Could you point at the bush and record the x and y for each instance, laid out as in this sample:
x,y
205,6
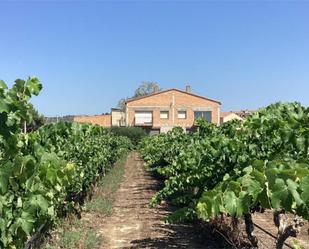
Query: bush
x,y
135,134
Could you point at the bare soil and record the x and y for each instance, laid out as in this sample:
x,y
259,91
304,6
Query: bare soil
x,y
266,231
133,224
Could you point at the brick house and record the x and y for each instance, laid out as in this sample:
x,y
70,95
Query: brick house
x,y
161,111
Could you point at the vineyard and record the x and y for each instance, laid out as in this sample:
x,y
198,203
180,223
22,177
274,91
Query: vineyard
x,y
237,169
218,175
46,173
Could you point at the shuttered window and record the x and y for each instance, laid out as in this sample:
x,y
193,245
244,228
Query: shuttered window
x,y
143,117
164,114
182,114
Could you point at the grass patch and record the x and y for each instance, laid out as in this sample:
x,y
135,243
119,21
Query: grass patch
x,y
83,233
111,182
75,235
93,240
102,200
100,205
70,239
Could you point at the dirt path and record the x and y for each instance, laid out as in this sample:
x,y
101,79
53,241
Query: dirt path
x,y
134,224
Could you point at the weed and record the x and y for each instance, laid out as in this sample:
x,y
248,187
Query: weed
x,y
74,233
92,240
70,239
100,205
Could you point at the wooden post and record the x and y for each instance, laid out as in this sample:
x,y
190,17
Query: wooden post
x,y
25,127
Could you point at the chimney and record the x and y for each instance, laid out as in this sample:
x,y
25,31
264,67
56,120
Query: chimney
x,y
188,89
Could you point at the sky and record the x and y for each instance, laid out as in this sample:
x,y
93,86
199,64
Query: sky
x,y
89,54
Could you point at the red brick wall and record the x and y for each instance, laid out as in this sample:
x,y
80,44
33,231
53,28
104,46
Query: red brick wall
x,y
103,120
172,101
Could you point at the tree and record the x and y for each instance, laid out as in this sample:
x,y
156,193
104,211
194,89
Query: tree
x,y
122,103
144,89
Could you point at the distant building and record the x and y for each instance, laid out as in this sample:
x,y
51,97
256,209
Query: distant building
x,y
227,116
118,117
163,110
160,111
244,113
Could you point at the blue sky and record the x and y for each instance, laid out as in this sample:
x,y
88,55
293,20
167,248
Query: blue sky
x,y
89,54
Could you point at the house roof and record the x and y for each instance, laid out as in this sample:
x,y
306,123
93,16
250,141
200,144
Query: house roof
x,y
172,89
116,109
224,114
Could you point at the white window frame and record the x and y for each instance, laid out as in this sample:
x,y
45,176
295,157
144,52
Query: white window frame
x,y
143,117
182,114
164,114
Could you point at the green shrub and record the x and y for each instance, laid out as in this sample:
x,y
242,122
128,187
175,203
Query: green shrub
x,y
135,134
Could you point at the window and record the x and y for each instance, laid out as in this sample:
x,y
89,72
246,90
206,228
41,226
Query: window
x,y
143,117
182,114
204,115
164,114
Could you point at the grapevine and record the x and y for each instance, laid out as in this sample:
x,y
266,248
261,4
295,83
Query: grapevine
x,y
236,168
44,173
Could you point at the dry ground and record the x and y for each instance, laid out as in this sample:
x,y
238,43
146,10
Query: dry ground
x,y
266,224
133,224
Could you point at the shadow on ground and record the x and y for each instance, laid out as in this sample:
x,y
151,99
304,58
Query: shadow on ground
x,y
177,236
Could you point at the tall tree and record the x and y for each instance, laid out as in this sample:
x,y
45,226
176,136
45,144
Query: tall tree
x,y
146,88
